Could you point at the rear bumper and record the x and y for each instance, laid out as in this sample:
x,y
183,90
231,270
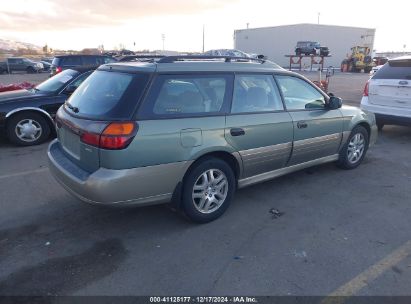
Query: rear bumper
x,y
137,186
393,120
389,112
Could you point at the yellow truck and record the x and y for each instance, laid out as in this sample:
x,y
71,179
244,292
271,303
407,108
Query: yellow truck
x,y
360,59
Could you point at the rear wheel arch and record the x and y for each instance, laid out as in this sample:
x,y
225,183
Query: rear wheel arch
x,y
229,158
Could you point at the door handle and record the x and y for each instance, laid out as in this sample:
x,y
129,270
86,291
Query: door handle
x,y
302,125
237,132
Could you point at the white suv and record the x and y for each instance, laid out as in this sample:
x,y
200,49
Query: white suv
x,y
388,93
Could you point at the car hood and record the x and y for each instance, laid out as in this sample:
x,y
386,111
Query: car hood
x,y
18,95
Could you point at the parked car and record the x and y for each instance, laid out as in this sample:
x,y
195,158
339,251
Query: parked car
x,y
46,66
324,51
232,53
311,48
63,62
380,60
388,93
193,131
375,69
47,59
27,116
227,52
20,64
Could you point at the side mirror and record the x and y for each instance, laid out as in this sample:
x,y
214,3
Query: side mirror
x,y
70,89
334,103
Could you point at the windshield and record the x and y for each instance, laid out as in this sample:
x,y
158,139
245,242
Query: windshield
x,y
107,95
57,82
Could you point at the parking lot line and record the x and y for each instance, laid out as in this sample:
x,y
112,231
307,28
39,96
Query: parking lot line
x,y
340,295
39,170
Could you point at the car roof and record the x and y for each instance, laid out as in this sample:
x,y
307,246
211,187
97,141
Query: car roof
x,y
194,66
83,69
79,55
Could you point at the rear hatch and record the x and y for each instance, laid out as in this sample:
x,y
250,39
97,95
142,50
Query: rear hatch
x,y
391,84
98,115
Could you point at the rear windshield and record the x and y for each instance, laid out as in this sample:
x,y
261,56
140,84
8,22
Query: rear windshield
x,y
107,95
394,70
57,82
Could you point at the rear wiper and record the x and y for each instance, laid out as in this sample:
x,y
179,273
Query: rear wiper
x,y
74,109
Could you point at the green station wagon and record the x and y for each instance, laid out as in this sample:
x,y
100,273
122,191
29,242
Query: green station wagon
x,y
191,130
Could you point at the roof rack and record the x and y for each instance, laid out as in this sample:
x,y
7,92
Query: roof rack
x,y
139,57
171,59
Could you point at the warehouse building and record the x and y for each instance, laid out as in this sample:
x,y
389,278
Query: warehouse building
x,y
278,41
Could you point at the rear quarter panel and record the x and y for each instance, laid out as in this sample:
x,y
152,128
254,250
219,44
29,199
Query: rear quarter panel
x,y
167,141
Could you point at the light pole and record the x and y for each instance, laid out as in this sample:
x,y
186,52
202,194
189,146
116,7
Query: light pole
x,y
318,18
203,36
163,37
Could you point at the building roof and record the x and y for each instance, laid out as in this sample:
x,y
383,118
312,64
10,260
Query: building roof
x,y
303,25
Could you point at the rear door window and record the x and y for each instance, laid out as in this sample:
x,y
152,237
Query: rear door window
x,y
107,95
184,95
394,70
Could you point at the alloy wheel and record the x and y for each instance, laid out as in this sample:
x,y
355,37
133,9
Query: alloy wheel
x,y
210,191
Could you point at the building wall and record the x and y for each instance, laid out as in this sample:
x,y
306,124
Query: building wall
x,y
276,42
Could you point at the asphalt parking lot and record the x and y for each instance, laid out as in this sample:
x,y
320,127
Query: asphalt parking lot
x,y
340,232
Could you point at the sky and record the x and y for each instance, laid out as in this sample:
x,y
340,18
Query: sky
x,y
78,24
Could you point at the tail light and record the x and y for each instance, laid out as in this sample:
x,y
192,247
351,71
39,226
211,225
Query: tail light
x,y
366,88
59,69
116,136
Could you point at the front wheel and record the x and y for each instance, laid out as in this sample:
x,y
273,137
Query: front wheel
x,y
354,150
208,190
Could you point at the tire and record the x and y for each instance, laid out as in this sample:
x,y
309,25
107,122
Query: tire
x,y
195,208
22,125
30,70
367,70
358,142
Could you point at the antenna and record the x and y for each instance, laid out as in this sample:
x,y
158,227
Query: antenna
x,y
163,37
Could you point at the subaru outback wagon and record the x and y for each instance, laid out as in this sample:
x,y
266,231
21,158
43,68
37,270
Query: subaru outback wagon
x,y
191,130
